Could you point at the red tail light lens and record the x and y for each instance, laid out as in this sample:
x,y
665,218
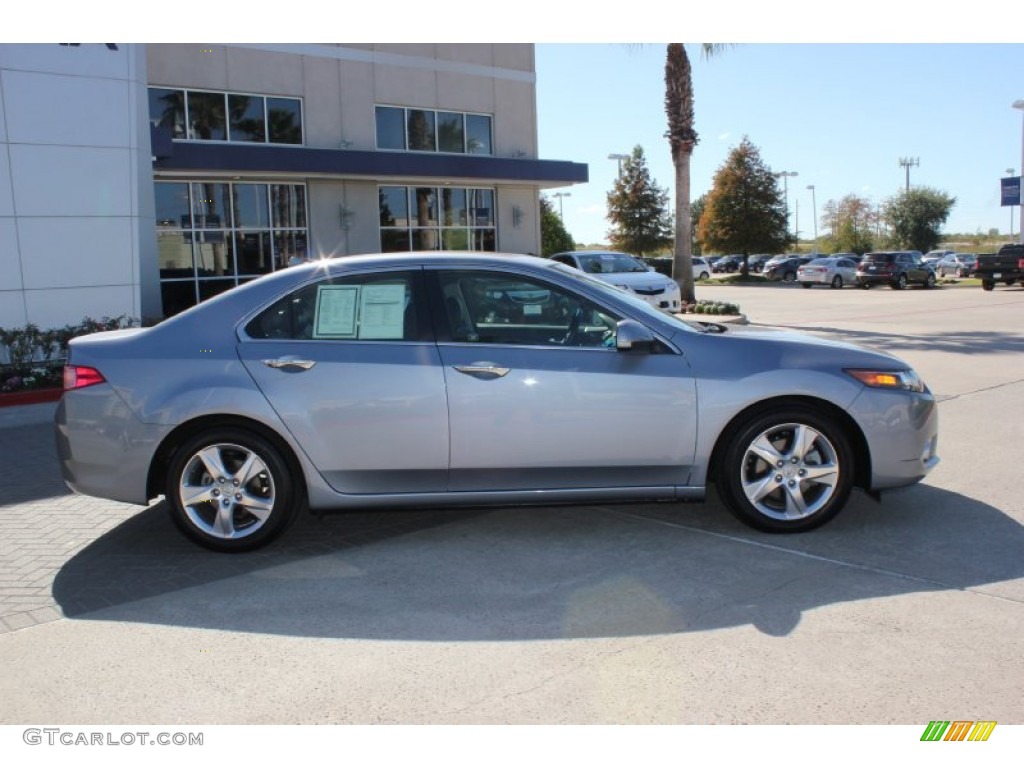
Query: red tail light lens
x,y
78,376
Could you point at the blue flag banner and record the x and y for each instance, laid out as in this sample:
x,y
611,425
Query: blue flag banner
x,y
1011,190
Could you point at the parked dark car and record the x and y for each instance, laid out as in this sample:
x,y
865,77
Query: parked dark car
x,y
786,269
897,269
727,264
756,262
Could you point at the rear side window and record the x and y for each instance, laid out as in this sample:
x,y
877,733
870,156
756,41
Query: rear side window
x,y
369,308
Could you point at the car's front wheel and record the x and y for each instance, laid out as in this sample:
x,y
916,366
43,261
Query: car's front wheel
x,y
929,281
900,282
230,490
789,277
837,281
704,276
786,471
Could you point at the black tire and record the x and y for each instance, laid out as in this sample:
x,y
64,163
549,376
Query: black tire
x,y
806,285
900,283
821,478
224,512
865,286
942,272
704,276
1011,281
837,282
789,277
929,281
987,285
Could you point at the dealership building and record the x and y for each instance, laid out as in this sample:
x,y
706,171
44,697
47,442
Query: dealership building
x,y
140,179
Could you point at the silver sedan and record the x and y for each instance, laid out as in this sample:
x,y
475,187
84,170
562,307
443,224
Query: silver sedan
x,y
833,271
445,379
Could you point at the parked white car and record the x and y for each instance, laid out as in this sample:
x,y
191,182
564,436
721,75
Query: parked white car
x,y
628,273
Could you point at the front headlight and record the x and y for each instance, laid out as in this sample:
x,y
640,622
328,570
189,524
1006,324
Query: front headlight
x,y
906,380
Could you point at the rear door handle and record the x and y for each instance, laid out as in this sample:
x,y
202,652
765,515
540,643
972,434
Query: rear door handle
x,y
483,370
290,362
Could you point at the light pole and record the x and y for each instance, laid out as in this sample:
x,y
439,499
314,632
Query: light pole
x,y
1019,104
785,175
560,195
814,213
619,158
907,162
1009,172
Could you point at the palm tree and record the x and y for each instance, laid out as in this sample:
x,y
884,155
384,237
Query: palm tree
x,y
682,138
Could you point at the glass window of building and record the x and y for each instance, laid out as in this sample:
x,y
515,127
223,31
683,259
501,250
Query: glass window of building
x,y
425,130
434,218
167,110
390,128
212,236
206,119
478,134
234,117
246,119
284,120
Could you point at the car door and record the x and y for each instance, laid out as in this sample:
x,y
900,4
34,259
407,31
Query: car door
x,y
540,398
350,365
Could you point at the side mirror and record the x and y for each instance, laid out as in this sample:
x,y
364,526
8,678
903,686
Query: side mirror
x,y
632,336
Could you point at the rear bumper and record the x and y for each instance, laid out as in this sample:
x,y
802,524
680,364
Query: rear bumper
x,y
103,449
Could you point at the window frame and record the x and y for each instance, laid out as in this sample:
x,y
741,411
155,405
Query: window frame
x,y
226,100
436,112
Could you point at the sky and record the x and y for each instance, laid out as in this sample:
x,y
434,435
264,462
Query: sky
x,y
840,115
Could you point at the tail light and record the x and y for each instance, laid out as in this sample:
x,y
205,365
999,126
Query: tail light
x,y
79,376
1020,263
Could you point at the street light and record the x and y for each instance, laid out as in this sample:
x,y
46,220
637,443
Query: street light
x,y
560,195
619,158
1019,104
1009,172
784,175
814,212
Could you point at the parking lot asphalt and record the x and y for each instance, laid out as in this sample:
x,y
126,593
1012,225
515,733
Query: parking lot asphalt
x,y
901,611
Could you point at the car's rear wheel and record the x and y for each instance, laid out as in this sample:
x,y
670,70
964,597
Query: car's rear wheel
x,y
837,281
704,276
786,471
230,490
806,285
789,277
929,281
987,285
901,282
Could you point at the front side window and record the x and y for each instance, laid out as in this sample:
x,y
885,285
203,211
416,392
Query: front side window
x,y
359,308
499,308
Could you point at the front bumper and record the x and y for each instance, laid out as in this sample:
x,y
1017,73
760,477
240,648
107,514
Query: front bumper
x,y
901,429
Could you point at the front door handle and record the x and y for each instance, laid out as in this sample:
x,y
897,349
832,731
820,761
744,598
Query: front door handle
x,y
483,370
290,362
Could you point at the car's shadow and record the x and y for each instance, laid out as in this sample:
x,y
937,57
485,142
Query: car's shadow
x,y
542,573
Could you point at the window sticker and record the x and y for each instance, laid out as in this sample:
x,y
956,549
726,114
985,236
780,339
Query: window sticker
x,y
336,312
382,312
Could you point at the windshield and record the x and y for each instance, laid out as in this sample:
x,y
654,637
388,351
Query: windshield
x,y
610,263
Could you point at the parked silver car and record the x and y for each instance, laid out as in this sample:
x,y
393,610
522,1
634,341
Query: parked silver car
x,y
446,379
833,271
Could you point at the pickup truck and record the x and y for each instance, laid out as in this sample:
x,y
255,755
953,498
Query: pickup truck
x,y
1006,266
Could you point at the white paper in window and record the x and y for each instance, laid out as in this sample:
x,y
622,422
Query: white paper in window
x,y
336,312
382,312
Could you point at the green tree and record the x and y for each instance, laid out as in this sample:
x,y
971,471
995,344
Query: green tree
x,y
696,212
916,217
638,209
852,223
682,138
745,211
553,236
